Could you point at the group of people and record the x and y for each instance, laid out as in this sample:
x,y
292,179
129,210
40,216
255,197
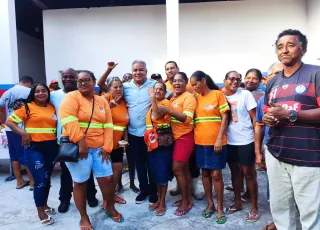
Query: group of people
x,y
202,127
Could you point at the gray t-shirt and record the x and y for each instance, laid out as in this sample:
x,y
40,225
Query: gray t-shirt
x,y
10,96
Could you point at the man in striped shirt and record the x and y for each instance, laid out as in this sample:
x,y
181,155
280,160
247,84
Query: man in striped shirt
x,y
291,107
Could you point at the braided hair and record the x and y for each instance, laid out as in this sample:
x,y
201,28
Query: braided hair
x,y
30,98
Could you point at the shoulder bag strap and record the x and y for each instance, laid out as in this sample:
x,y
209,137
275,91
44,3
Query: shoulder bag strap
x,y
90,117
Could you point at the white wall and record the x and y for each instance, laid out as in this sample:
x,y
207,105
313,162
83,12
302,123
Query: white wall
x,y
31,57
89,38
313,10
215,37
8,43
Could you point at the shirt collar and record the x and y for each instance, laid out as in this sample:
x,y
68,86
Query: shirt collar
x,y
147,82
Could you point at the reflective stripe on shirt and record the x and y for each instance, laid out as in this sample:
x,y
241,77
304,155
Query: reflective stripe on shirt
x,y
176,121
148,127
208,119
188,113
95,125
119,128
15,118
40,130
68,120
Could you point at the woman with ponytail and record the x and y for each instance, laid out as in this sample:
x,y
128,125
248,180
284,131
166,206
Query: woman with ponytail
x,y
211,120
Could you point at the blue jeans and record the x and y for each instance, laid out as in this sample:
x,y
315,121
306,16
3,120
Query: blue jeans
x,y
40,161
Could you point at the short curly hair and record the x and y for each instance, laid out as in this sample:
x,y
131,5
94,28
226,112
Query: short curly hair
x,y
301,37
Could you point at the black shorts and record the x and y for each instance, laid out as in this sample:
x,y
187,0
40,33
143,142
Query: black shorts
x,y
117,155
241,154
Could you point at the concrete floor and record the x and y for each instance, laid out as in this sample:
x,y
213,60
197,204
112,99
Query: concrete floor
x,y
17,210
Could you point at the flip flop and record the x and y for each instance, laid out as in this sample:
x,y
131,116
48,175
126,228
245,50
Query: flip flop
x,y
135,190
161,211
252,218
153,207
47,221
181,212
25,185
118,218
177,203
86,227
233,210
207,213
267,227
50,211
119,200
219,219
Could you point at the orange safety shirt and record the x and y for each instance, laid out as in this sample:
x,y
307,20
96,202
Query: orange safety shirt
x,y
75,112
120,118
208,117
41,123
163,122
185,103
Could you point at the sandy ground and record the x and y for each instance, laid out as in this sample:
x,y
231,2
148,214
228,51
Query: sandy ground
x,y
17,209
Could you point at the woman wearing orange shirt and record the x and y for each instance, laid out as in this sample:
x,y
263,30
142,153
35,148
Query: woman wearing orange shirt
x,y
159,159
211,120
94,146
183,106
120,120
39,139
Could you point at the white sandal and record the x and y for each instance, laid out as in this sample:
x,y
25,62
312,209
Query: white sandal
x,y
50,211
47,221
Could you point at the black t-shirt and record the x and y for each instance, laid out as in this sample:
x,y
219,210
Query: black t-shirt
x,y
295,143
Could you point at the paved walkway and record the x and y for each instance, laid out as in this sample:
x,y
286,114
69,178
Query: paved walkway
x,y
17,210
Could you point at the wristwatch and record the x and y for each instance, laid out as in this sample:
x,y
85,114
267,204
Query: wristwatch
x,y
293,116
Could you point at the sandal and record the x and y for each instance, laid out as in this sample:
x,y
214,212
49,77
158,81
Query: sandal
x,y
207,213
153,207
181,212
118,218
86,227
178,203
252,218
135,190
161,211
25,185
221,219
47,221
231,210
119,200
50,211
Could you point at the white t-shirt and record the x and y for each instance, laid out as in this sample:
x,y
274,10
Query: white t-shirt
x,y
240,130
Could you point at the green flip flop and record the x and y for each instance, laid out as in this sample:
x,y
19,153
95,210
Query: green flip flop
x,y
207,213
219,219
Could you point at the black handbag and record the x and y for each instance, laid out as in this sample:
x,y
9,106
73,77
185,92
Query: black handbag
x,y
69,151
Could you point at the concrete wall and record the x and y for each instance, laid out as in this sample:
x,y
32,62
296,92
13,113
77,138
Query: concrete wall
x,y
214,37
89,38
31,57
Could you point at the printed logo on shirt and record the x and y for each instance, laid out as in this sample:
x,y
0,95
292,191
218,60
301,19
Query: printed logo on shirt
x,y
126,116
285,86
208,107
291,105
234,109
300,89
175,105
101,109
54,117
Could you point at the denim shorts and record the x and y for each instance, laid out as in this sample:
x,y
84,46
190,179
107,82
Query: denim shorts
x,y
160,163
16,150
80,171
207,158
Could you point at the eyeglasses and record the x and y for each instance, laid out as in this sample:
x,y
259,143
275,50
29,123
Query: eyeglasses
x,y
232,79
83,81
